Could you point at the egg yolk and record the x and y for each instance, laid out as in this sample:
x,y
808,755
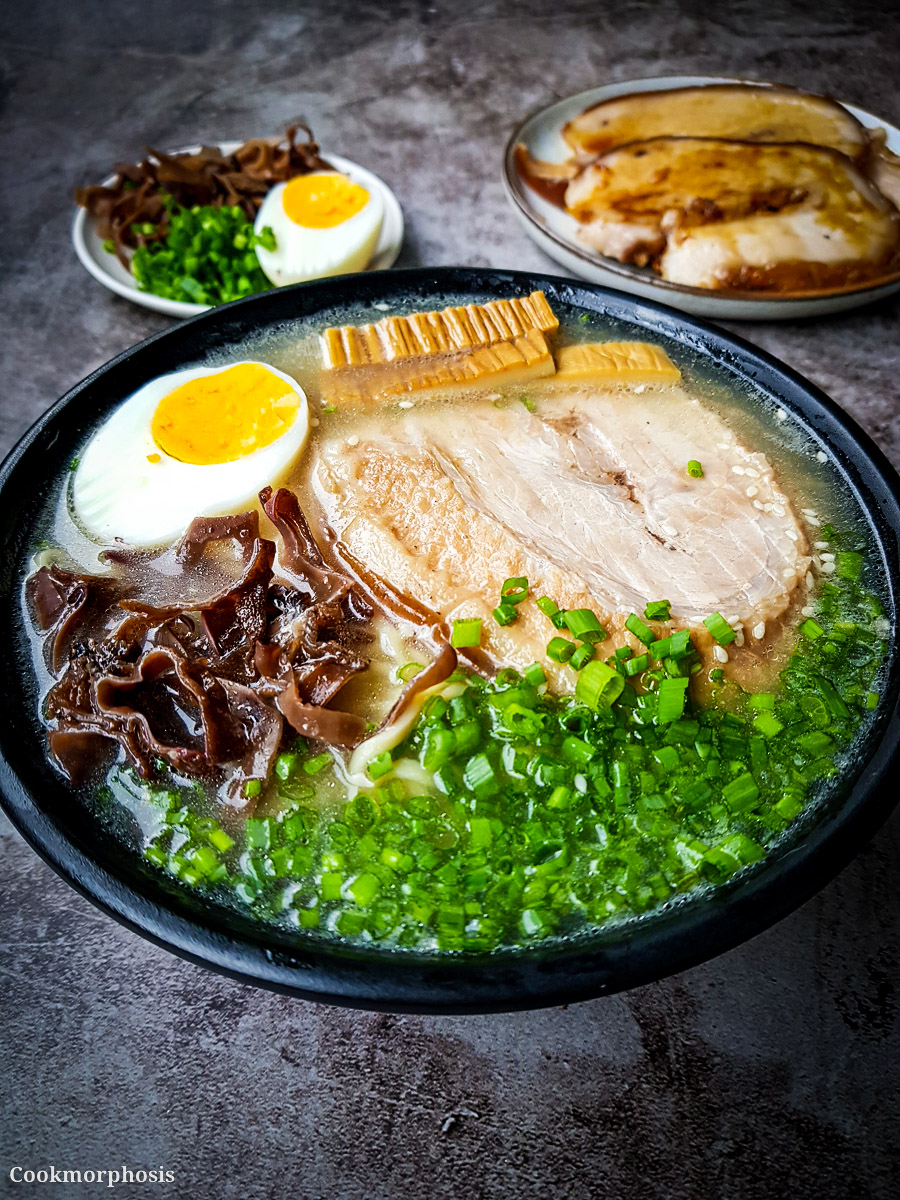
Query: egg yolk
x,y
223,417
322,201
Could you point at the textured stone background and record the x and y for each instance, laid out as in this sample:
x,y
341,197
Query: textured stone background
x,y
771,1072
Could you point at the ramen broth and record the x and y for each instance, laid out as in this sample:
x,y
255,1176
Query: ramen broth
x,y
423,856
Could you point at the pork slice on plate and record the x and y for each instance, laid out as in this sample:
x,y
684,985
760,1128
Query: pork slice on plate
x,y
737,111
719,214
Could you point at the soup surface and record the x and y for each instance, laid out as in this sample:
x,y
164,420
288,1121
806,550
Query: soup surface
x,y
491,664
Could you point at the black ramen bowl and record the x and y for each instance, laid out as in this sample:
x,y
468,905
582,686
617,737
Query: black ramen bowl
x,y
64,832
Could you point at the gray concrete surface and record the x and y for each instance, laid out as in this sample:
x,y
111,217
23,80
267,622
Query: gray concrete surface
x,y
771,1072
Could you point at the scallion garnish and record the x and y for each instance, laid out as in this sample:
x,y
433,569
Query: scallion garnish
x,y
505,614
658,610
720,629
535,675
408,671
560,649
634,666
584,625
599,686
670,700
812,629
694,469
466,632
514,590
642,632
581,657
380,765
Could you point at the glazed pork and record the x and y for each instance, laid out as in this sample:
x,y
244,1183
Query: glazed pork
x,y
738,111
719,214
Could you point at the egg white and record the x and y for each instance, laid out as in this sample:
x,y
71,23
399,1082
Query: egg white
x,y
305,253
117,493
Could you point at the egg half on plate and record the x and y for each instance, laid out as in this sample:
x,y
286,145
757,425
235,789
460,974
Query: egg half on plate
x,y
324,224
198,442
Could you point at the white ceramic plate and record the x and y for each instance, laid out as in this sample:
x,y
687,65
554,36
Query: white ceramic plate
x,y
556,232
107,269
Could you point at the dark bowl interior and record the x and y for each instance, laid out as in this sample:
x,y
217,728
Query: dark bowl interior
x,y
60,827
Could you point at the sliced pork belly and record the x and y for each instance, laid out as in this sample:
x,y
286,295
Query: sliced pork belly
x,y
588,496
718,214
738,111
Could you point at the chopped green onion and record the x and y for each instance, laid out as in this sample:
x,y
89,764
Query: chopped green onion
x,y
658,610
849,565
547,606
535,674
871,701
505,614
717,675
767,724
676,645
583,625
252,788
408,671
599,686
720,629
313,766
811,629
742,793
363,889
762,701
285,766
581,657
380,765
560,649
514,590
642,632
478,774
670,700
634,666
466,632
329,408
528,402
694,469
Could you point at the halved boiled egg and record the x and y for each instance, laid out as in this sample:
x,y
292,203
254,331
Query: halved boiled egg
x,y
324,224
198,442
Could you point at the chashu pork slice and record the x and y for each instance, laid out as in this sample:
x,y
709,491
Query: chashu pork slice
x,y
737,111
588,497
720,214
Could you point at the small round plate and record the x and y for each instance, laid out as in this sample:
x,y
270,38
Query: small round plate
x,y
107,269
557,233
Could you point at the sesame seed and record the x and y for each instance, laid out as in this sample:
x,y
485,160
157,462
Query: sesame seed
x,y
758,504
820,545
778,510
813,521
759,631
720,654
752,472
781,415
822,456
827,556
404,403
641,387
828,568
789,573
809,581
752,490
792,534
738,470
807,610
739,637
353,440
